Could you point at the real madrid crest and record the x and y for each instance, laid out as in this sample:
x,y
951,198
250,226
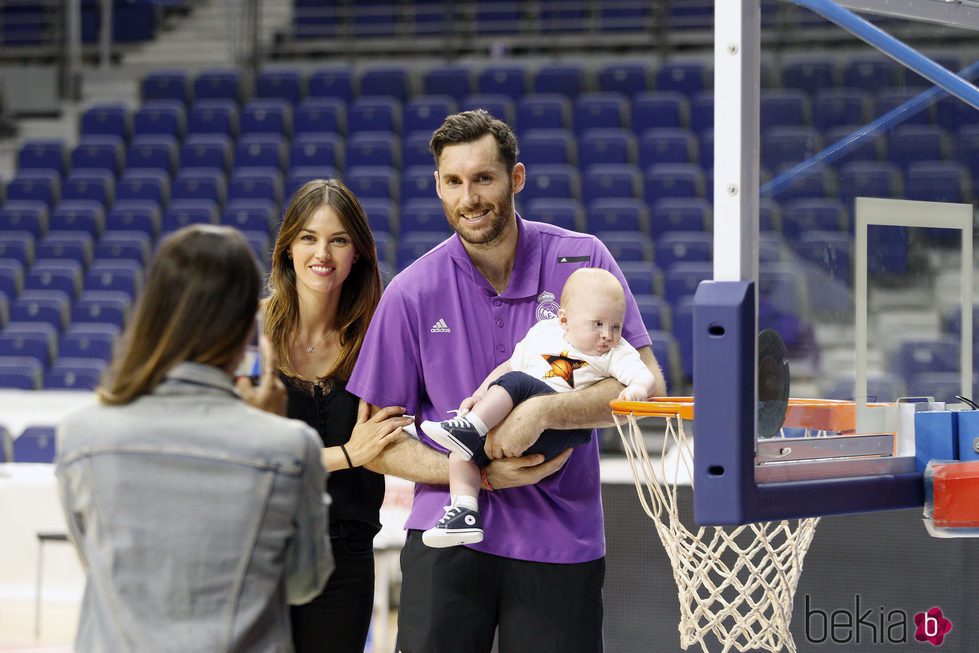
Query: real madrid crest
x,y
546,306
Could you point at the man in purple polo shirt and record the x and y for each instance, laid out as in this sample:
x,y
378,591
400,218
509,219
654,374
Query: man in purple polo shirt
x,y
442,325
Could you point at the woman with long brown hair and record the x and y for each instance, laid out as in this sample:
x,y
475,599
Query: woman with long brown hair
x,y
323,289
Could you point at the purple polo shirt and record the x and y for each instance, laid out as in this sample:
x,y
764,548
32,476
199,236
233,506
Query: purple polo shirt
x,y
440,329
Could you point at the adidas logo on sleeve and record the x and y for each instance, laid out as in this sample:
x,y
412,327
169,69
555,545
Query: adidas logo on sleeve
x,y
441,327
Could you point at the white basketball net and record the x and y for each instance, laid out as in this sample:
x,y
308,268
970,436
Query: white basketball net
x,y
736,584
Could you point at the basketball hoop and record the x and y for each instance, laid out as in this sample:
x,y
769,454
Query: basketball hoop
x,y
736,584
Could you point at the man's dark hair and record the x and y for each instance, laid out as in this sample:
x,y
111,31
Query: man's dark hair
x,y
470,126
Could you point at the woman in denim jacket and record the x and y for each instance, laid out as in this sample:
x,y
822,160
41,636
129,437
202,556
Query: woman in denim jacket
x,y
197,517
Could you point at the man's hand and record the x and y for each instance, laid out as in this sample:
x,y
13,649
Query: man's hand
x,y
525,470
517,432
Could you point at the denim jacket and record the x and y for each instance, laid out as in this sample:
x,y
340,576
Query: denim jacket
x,y
197,519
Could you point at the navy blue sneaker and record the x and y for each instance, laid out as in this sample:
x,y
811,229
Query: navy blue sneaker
x,y
457,526
457,435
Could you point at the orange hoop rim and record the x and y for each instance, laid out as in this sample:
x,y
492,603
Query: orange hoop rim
x,y
683,406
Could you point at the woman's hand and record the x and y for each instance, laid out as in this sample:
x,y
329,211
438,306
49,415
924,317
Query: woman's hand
x,y
270,394
372,434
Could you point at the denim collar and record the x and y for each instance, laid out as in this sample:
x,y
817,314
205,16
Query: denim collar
x,y
187,378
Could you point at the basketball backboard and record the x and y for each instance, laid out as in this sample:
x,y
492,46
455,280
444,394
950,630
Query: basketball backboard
x,y
852,238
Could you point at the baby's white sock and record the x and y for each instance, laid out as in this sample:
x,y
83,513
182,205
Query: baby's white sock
x,y
464,501
479,424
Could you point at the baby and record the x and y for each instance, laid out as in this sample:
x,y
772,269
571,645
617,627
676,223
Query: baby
x,y
578,348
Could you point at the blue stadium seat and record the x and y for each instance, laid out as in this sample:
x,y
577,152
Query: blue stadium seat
x,y
146,185
266,116
98,153
366,21
560,211
281,84
870,179
548,146
302,174
382,215
616,214
423,214
384,243
606,146
952,113
687,77
451,80
682,279
870,73
114,274
320,115
498,106
667,353
334,83
643,277
411,246
781,146
86,216
509,81
628,78
838,107
543,111
888,99
939,181
867,150
914,356
769,215
414,149
391,81
250,215
21,373
565,79
417,183
425,113
941,386
830,251
818,181
260,150
655,312
43,154
50,306
784,107
106,120
660,109
101,306
28,216
17,246
42,186
213,116
373,149
161,117
631,247
812,74
124,245
372,181
29,340
200,183
666,145
90,184
152,152
63,275
136,215
74,374
374,114
36,444
908,144
782,293
813,214
255,183
615,181
497,18
552,181
674,180
881,386
206,151
186,212
683,246
11,278
166,85
702,112
563,16
316,149
218,84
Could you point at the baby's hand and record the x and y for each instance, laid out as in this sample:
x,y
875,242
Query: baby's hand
x,y
633,393
467,405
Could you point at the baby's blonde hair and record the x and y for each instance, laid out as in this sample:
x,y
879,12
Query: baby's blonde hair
x,y
593,280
